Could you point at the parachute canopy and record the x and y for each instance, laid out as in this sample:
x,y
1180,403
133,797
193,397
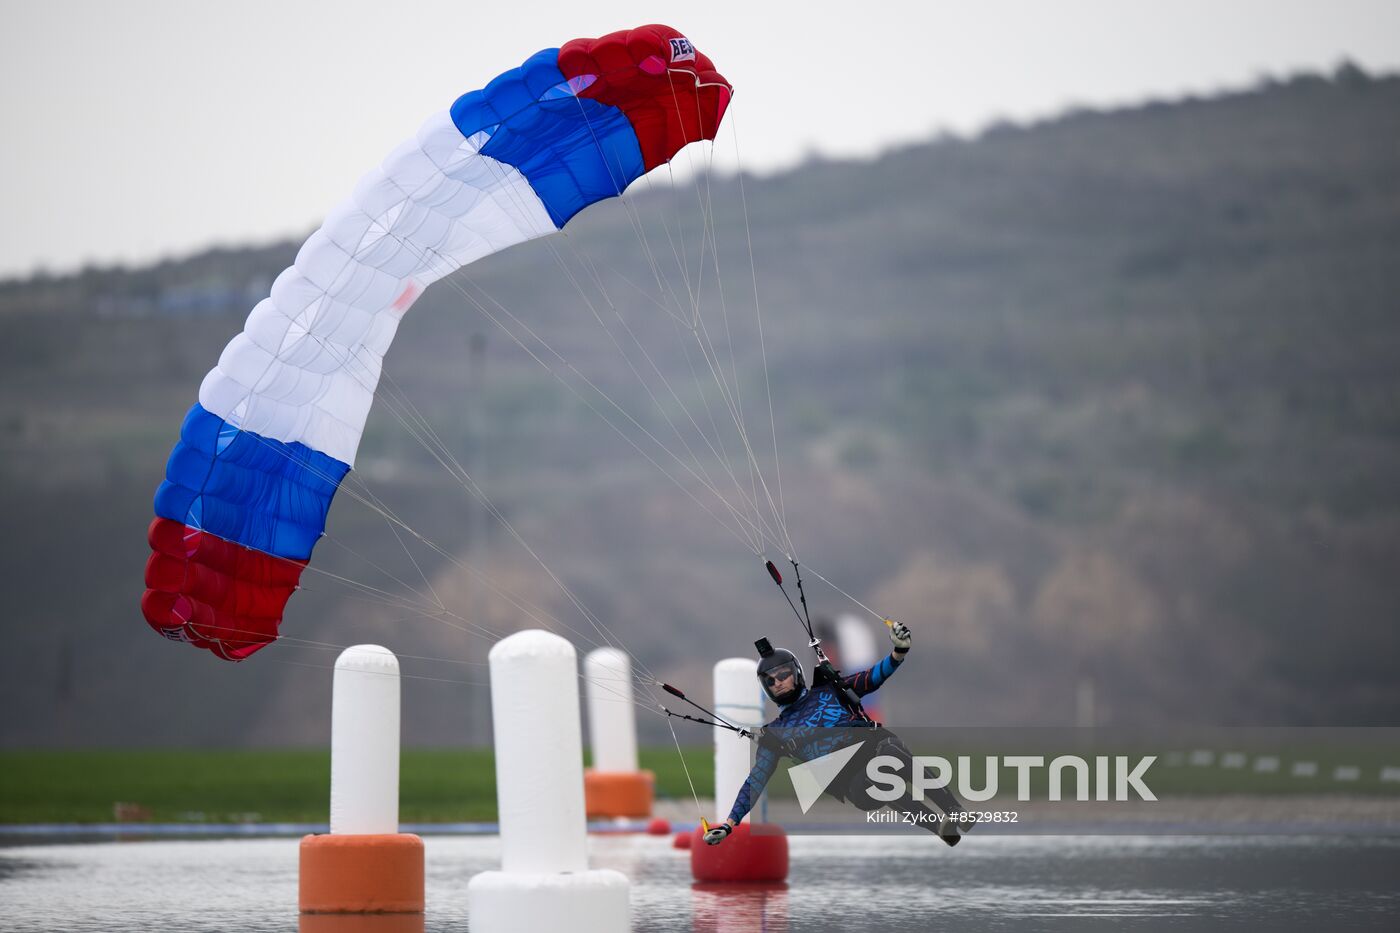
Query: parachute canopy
x,y
279,418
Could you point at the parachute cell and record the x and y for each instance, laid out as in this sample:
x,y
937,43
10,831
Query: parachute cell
x,y
249,484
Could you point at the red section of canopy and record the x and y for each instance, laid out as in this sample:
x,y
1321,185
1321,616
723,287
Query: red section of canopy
x,y
213,593
671,93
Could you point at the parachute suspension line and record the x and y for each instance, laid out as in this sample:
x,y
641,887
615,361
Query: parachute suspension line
x,y
464,478
690,328
482,308
326,646
758,317
586,261
643,679
705,239
675,429
290,641
708,353
778,579
709,239
634,218
873,614
496,169
421,430
735,403
701,335
682,254
367,373
663,283
411,420
677,253
371,502
598,625
441,614
574,391
366,593
416,566
534,613
700,811
724,310
331,667
710,414
711,359
664,286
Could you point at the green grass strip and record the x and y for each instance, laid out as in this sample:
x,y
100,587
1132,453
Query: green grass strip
x,y
283,785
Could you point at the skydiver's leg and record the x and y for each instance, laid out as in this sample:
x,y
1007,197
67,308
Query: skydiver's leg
x,y
929,818
942,797
855,791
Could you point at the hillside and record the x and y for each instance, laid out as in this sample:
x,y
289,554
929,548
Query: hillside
x,y
1112,397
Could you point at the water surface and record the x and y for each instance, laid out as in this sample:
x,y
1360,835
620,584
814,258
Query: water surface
x,y
892,885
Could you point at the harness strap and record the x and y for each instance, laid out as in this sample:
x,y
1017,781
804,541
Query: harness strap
x,y
826,674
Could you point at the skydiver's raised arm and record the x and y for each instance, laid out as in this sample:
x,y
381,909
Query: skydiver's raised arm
x,y
870,680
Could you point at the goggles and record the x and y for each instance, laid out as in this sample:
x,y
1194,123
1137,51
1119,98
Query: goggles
x,y
771,678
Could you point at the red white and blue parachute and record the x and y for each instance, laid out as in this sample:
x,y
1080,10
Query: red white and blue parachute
x,y
250,481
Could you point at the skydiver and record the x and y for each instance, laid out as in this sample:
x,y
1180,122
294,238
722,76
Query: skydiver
x,y
816,721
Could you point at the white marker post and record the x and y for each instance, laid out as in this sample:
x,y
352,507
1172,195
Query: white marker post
x,y
857,650
365,741
365,865
544,882
614,786
738,699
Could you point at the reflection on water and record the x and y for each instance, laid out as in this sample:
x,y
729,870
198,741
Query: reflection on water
x,y
738,908
837,883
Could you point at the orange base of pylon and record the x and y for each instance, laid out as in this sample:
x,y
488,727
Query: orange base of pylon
x,y
608,794
369,874
743,856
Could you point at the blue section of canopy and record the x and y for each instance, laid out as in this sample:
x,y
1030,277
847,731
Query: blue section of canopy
x,y
243,487
572,150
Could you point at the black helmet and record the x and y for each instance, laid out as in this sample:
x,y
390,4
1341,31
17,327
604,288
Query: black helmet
x,y
777,665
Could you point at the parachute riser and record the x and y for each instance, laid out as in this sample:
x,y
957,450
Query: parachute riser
x,y
743,733
825,672
714,720
805,621
804,616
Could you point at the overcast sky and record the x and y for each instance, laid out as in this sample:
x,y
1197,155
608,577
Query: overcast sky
x,y
147,128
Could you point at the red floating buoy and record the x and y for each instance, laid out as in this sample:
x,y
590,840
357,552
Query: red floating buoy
x,y
746,855
659,827
682,841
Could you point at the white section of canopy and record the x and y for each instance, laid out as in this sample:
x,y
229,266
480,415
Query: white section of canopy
x,y
306,365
